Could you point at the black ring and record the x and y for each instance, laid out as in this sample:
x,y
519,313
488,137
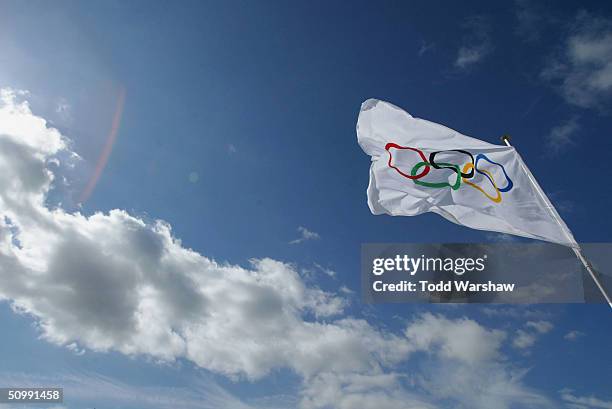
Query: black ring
x,y
433,163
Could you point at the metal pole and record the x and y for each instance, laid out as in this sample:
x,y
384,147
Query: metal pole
x,y
576,248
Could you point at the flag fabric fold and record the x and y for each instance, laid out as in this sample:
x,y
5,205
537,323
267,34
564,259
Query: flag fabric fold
x,y
419,166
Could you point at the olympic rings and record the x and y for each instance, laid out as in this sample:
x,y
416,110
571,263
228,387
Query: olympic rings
x,y
468,172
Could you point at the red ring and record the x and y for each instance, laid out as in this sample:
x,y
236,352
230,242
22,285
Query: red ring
x,y
421,154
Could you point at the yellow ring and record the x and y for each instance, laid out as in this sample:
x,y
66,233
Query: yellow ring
x,y
467,168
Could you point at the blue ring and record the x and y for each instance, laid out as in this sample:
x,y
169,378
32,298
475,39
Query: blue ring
x,y
508,186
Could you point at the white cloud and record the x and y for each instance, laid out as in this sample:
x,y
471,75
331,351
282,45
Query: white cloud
x,y
345,290
527,337
464,368
469,55
115,282
573,335
64,110
476,44
425,47
467,366
533,18
494,385
18,125
305,234
524,339
583,70
583,402
327,271
463,339
562,136
542,327
352,391
527,20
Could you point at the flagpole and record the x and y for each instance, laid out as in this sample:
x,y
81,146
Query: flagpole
x,y
576,248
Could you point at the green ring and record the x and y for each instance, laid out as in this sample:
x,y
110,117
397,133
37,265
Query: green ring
x,y
437,185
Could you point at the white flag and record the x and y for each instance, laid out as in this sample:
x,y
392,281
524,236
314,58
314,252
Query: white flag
x,y
420,166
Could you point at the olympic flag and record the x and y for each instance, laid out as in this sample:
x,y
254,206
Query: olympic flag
x,y
420,166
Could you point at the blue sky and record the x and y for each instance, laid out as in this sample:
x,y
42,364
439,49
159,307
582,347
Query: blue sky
x,y
238,128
